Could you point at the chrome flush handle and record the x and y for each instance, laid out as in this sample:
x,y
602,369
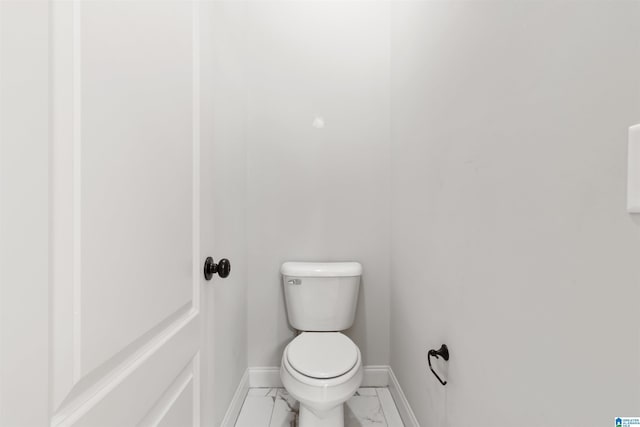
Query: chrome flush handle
x,y
294,282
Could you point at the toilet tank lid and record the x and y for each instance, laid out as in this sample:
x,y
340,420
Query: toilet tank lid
x,y
321,269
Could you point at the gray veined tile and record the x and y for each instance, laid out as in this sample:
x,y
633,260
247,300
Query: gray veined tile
x,y
284,394
256,410
364,411
389,408
262,392
285,411
274,407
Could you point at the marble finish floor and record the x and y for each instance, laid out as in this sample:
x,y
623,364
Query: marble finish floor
x,y
273,407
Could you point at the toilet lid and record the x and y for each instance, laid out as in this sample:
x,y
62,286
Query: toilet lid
x,y
322,355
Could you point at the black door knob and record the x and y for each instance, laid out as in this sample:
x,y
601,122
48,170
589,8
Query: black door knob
x,y
223,268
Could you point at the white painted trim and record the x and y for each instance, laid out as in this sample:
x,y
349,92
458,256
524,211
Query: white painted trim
x,y
269,376
233,411
72,411
633,170
406,413
195,156
64,167
182,382
77,193
195,197
376,376
264,376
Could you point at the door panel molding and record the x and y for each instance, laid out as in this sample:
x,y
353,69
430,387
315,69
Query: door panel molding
x,y
195,144
64,293
79,390
178,335
77,190
183,383
128,357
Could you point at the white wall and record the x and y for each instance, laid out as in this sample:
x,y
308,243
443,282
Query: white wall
x,y
510,238
225,164
317,194
24,211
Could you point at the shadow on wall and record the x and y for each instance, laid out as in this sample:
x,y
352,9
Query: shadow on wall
x,y
359,328
282,307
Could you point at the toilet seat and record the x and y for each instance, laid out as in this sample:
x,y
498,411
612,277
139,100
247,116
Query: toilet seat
x,y
322,355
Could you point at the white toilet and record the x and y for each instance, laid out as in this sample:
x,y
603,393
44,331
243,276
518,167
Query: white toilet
x,y
321,367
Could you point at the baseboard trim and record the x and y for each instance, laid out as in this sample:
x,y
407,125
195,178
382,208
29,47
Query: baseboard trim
x,y
376,376
269,376
264,376
233,411
406,413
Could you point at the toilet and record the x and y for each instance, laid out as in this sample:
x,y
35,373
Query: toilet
x,y
321,367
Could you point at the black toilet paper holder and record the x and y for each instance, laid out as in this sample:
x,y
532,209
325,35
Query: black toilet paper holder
x,y
443,352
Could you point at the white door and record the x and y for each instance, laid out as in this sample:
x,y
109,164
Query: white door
x,y
124,342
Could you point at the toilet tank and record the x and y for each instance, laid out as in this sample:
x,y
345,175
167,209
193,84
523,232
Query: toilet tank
x,y
321,296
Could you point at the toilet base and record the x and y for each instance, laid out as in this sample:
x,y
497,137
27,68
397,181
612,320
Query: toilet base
x,y
332,418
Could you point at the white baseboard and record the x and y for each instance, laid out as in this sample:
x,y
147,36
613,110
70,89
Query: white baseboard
x,y
233,411
265,376
376,376
269,376
408,417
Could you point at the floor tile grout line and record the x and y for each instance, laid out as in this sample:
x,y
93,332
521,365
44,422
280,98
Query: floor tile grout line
x,y
243,406
273,408
384,415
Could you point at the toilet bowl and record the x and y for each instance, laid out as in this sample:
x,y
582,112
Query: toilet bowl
x,y
321,370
